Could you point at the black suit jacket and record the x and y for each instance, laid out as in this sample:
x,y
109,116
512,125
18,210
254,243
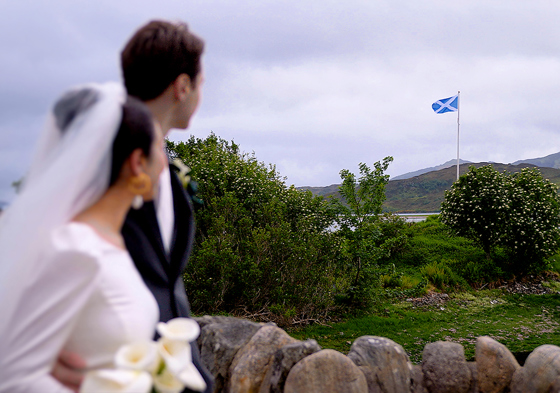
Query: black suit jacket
x,y
161,272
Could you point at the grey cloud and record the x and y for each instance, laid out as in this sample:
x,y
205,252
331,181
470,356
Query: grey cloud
x,y
312,86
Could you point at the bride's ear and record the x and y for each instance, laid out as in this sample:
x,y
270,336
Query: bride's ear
x,y
137,161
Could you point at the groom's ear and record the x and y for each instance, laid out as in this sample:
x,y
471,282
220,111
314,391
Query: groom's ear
x,y
182,87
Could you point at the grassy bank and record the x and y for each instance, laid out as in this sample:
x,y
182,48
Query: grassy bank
x,y
521,322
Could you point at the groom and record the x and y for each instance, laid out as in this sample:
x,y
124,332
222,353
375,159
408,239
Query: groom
x,y
162,66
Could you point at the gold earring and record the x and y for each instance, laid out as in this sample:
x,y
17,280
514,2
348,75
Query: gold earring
x,y
139,184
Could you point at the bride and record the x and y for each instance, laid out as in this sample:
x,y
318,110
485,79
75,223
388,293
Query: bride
x,y
66,279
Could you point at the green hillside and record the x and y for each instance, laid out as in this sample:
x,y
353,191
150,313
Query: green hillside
x,y
424,193
552,161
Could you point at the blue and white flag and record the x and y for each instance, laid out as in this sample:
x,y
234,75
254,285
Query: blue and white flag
x,y
446,104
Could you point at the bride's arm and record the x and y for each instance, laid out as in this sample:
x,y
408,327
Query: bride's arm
x,y
55,294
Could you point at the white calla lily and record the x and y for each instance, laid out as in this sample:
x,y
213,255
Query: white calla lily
x,y
166,382
183,329
116,381
169,361
141,355
192,379
176,354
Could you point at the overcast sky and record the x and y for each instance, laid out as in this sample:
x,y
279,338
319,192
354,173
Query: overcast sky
x,y
311,86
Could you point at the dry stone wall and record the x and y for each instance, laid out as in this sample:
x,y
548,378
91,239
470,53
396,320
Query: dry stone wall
x,y
248,357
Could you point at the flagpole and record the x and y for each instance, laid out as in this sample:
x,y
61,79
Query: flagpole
x,y
458,106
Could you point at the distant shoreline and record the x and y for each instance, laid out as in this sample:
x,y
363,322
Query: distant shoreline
x,y
415,217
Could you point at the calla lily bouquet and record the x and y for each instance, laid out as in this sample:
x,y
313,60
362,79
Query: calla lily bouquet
x,y
164,366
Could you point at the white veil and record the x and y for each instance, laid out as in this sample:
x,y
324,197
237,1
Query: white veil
x,y
70,171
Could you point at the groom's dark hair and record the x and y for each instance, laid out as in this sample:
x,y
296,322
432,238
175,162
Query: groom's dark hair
x,y
156,55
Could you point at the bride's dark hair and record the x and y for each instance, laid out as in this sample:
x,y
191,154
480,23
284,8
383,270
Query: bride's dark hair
x,y
136,131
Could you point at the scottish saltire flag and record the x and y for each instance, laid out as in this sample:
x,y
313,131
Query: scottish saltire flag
x,y
446,104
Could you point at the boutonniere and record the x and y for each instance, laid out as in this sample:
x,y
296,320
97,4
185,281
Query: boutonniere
x,y
188,184
182,172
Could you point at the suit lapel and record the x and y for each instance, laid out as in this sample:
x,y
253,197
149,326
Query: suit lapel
x,y
146,219
153,229
146,244
183,232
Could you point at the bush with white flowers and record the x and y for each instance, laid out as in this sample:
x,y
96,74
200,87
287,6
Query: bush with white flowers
x,y
519,212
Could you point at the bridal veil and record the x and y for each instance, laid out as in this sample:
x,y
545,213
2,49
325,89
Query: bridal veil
x,y
70,170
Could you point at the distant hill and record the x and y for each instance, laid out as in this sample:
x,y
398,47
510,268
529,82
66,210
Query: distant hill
x,y
550,161
321,191
424,193
419,172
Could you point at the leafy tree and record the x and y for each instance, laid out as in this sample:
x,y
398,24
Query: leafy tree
x,y
259,243
358,218
520,212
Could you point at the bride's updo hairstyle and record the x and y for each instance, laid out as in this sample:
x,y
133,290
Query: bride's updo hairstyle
x,y
136,131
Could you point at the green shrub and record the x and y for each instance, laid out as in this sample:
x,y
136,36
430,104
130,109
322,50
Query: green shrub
x,y
417,290
258,242
394,283
389,281
390,278
440,275
393,234
407,282
435,274
554,263
430,241
482,270
360,294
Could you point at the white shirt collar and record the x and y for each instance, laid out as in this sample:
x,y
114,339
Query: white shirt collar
x,y
164,208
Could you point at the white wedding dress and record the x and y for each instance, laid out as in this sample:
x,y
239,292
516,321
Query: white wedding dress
x,y
87,297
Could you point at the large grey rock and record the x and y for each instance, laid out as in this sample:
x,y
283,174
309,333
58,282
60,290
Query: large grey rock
x,y
445,368
219,342
284,359
474,378
417,384
383,362
555,386
208,319
326,371
251,362
495,365
539,372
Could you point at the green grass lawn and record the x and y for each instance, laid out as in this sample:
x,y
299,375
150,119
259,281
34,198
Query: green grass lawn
x,y
521,322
